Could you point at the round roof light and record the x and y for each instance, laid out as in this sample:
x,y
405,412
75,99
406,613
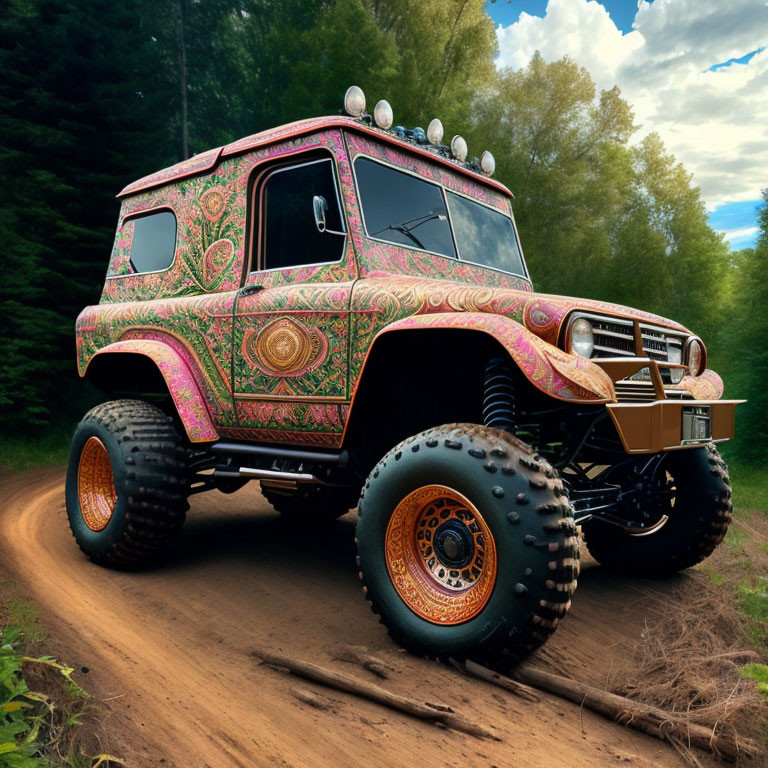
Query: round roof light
x,y
354,101
487,163
382,114
459,148
435,132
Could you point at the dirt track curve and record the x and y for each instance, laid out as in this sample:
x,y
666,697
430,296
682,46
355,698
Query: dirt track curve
x,y
168,649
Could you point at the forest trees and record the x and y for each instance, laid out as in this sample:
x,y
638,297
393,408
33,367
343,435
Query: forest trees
x,y
96,94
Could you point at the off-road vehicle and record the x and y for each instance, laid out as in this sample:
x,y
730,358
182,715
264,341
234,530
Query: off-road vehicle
x,y
341,310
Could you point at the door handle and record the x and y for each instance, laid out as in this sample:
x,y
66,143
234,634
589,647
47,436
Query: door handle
x,y
249,290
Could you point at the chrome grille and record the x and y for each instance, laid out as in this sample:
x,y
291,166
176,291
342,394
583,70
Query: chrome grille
x,y
655,341
613,337
628,391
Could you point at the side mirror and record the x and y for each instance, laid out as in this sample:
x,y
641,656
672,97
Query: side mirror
x,y
319,208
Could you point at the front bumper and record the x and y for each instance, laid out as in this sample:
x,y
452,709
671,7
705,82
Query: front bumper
x,y
659,425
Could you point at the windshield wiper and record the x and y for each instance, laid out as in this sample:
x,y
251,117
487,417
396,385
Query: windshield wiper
x,y
406,230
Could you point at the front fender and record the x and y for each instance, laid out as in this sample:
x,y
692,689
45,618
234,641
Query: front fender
x,y
554,372
181,384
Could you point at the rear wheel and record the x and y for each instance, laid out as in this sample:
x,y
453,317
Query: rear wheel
x,y
466,544
127,483
684,507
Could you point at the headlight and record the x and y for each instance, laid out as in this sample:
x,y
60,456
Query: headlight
x,y
695,355
675,355
582,338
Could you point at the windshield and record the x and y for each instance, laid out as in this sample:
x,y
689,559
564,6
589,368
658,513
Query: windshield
x,y
405,209
484,235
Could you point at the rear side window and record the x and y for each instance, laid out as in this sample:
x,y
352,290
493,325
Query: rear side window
x,y
403,209
154,242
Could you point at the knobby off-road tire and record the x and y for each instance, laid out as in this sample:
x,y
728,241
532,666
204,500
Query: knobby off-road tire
x,y
696,523
518,534
127,483
312,503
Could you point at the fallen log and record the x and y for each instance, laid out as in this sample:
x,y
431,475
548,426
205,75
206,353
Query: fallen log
x,y
483,673
356,654
657,722
436,714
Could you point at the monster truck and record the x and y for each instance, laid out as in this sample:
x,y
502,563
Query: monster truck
x,y
340,309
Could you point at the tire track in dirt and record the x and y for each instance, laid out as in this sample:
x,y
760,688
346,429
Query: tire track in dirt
x,y
167,648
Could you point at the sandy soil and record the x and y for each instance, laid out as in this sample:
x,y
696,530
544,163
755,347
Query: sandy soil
x,y
167,649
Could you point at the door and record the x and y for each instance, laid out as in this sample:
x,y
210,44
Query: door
x,y
291,322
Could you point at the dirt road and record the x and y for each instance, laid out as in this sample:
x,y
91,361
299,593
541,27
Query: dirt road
x,y
168,649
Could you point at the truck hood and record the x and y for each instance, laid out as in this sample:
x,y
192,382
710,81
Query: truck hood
x,y
541,313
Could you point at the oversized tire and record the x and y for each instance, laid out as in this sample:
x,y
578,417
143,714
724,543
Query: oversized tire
x,y
127,483
466,545
311,503
695,520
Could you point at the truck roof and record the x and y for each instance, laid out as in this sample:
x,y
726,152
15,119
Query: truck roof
x,y
207,161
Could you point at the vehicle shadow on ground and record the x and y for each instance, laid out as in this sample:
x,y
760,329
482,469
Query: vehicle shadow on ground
x,y
263,537
266,537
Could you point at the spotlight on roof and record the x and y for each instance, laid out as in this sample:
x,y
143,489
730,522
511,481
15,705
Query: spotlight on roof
x,y
487,163
354,101
382,114
459,148
435,132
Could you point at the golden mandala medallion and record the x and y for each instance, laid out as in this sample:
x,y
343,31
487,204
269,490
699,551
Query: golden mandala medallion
x,y
284,347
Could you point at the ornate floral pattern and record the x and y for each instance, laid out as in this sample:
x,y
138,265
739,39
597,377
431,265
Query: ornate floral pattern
x,y
707,386
181,383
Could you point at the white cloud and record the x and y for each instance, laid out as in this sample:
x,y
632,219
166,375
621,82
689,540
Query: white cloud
x,y
733,234
715,122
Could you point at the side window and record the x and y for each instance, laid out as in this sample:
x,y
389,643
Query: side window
x,y
402,208
154,242
290,236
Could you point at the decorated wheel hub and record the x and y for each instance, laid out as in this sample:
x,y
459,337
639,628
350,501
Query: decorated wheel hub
x,y
95,485
441,555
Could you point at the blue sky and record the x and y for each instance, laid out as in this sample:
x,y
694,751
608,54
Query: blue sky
x,y
695,71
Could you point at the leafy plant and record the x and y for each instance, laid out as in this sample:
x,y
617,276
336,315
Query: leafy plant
x,y
34,728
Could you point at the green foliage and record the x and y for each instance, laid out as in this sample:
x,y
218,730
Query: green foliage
x,y
37,451
35,729
598,217
745,332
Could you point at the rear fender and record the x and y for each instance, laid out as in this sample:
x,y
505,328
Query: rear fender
x,y
189,402
554,372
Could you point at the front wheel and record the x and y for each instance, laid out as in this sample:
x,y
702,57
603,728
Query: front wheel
x,y
466,544
688,501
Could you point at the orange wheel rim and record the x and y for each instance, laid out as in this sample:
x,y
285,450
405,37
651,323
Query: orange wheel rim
x,y
96,485
441,555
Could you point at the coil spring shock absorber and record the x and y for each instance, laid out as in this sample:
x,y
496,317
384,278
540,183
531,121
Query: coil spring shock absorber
x,y
499,395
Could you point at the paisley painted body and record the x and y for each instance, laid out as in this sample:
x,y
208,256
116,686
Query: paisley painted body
x,y
282,363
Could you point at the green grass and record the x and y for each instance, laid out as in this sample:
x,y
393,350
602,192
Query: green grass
x,y
750,486
50,450
758,673
753,602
